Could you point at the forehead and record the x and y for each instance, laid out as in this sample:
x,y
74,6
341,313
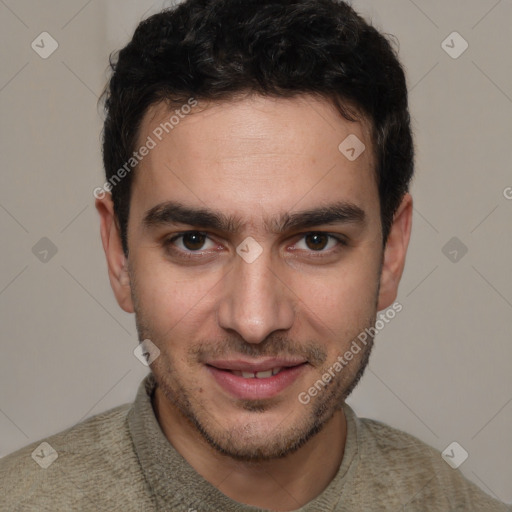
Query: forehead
x,y
254,154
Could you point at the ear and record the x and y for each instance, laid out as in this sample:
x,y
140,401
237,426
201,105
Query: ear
x,y
116,260
394,253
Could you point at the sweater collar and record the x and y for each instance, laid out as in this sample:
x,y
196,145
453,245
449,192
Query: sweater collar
x,y
176,486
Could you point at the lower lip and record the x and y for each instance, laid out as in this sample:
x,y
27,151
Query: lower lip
x,y
254,389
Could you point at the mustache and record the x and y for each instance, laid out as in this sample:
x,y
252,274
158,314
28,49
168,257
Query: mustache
x,y
274,346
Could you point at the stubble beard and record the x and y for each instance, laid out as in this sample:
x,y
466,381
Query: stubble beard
x,y
239,443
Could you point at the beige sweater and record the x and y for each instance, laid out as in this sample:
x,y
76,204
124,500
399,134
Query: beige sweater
x,y
121,461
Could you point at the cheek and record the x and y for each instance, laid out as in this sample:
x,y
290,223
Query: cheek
x,y
169,298
343,297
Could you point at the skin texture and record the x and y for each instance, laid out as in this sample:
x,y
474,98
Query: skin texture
x,y
304,297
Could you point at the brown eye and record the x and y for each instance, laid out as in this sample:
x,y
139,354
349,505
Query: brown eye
x,y
190,245
316,241
193,241
321,243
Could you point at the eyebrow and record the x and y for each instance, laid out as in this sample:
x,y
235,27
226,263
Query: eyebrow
x,y
171,212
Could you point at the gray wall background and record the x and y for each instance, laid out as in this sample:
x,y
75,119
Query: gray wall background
x,y
441,369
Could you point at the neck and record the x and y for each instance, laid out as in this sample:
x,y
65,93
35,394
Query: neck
x,y
282,484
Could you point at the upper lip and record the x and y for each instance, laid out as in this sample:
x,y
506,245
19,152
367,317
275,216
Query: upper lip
x,y
255,366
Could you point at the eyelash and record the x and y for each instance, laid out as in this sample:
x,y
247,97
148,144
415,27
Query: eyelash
x,y
169,244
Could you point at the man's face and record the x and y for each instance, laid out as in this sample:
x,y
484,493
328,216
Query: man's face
x,y
219,316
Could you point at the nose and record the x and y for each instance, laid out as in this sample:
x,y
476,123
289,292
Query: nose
x,y
255,300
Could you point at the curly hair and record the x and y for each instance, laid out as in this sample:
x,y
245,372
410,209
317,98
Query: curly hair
x,y
218,49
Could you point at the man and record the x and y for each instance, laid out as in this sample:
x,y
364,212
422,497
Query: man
x,y
255,218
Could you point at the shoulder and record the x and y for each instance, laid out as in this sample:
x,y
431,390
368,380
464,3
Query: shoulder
x,y
77,465
407,469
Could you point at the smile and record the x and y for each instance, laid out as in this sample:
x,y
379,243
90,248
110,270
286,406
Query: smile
x,y
250,380
257,375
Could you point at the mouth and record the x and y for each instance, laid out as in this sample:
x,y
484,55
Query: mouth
x,y
265,374
256,380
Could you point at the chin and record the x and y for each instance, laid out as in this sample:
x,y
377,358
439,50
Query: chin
x,y
255,437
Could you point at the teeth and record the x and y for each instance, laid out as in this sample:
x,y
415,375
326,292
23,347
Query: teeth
x,y
260,375
264,375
